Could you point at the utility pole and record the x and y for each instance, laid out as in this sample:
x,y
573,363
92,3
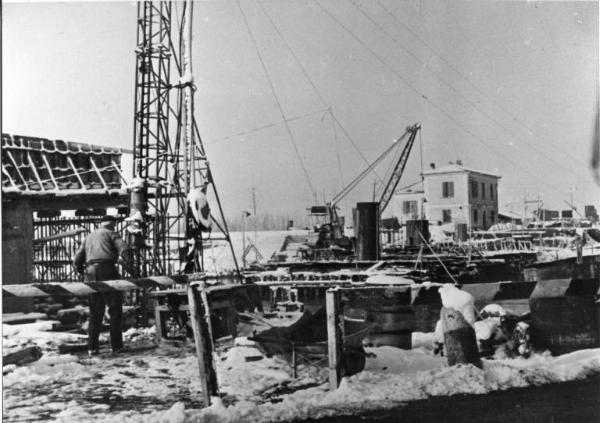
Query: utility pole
x,y
243,240
524,208
254,212
374,189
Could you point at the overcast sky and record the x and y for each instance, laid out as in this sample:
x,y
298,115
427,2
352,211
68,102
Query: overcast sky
x,y
507,87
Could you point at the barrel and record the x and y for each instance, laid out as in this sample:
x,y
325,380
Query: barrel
x,y
426,306
366,224
389,312
461,234
391,328
417,232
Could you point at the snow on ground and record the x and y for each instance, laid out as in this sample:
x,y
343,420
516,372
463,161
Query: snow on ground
x,y
161,384
268,242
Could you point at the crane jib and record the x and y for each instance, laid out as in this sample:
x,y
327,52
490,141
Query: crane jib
x,y
412,130
392,183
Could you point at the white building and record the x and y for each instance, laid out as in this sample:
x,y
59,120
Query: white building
x,y
453,194
409,205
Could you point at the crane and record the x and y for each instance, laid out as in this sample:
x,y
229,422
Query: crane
x,y
335,225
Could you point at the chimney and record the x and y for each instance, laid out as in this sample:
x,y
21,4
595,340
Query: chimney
x,y
432,165
459,162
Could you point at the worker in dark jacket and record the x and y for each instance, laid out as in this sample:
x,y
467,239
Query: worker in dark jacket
x,y
97,259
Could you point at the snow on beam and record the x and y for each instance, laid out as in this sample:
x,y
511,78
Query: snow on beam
x,y
81,289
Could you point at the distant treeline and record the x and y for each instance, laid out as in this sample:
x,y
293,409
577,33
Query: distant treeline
x,y
266,222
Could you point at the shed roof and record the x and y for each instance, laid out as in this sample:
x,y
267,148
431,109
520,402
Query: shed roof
x,y
35,166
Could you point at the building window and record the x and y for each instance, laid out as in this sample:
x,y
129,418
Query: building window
x,y
475,217
409,208
447,216
474,187
484,222
482,190
492,191
447,189
492,221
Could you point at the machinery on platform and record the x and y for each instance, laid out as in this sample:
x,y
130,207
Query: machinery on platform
x,y
331,235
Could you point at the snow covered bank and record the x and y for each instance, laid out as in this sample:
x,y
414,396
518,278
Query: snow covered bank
x,y
392,377
162,385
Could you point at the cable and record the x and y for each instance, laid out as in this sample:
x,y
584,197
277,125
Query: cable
x,y
312,84
316,90
287,126
421,153
479,90
450,86
424,97
270,125
337,151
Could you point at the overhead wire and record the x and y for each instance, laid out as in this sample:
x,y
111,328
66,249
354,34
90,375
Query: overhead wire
x,y
270,125
434,105
468,80
287,126
316,89
475,107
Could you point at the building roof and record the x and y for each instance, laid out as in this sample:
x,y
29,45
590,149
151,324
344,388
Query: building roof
x,y
457,168
35,166
410,192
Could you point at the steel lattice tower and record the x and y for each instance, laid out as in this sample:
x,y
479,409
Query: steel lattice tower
x,y
169,158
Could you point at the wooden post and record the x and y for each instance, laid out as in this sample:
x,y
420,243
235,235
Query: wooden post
x,y
157,321
208,377
145,306
294,363
23,356
206,307
334,337
459,338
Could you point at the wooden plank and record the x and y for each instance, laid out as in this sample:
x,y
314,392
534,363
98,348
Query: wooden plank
x,y
203,346
20,318
334,337
377,297
72,348
23,356
82,289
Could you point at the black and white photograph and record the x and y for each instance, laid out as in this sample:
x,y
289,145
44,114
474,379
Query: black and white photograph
x,y
332,211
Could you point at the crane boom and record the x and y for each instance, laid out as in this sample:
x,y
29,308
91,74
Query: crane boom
x,y
365,172
392,183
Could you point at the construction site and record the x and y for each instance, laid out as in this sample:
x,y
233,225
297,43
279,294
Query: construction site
x,y
427,277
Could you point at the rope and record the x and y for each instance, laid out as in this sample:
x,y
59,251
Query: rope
x,y
314,86
438,258
287,126
337,151
271,125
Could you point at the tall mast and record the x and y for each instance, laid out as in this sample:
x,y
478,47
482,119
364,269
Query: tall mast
x,y
170,163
